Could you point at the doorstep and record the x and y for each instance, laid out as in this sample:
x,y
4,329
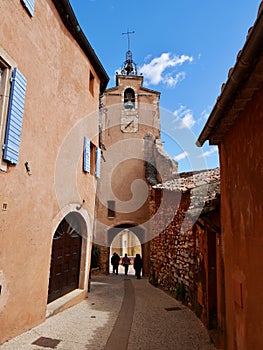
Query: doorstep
x,y
65,302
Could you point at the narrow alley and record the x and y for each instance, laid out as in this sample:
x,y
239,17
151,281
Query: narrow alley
x,y
120,313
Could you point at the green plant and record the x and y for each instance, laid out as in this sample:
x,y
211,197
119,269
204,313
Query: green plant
x,y
154,280
95,256
180,292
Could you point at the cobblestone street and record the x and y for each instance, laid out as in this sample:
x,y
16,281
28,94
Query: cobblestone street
x,y
120,313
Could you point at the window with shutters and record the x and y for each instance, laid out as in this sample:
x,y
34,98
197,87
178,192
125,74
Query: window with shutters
x,y
12,98
89,157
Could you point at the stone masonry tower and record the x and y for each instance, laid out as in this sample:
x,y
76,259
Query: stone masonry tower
x,y
129,130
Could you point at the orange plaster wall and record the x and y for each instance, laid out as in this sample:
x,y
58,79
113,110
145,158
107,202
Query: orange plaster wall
x,y
242,212
57,97
124,157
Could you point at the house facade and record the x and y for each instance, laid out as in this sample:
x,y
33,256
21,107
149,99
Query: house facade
x,y
50,83
235,125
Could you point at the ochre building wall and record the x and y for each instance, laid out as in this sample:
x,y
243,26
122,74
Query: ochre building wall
x,y
242,212
57,98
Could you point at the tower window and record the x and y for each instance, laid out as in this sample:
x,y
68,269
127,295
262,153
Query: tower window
x,y
129,99
111,209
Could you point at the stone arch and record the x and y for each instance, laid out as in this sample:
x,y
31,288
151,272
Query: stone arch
x,y
129,98
139,233
114,231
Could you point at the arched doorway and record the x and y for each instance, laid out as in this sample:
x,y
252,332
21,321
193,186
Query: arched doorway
x,y
125,242
115,232
65,258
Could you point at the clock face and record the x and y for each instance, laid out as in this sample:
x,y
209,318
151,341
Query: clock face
x,y
129,123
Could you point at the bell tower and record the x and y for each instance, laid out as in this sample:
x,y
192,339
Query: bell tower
x,y
129,117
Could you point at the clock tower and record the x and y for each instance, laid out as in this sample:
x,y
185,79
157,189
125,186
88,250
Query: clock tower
x,y
129,118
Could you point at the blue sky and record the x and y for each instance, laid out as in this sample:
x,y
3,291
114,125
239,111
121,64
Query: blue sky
x,y
184,48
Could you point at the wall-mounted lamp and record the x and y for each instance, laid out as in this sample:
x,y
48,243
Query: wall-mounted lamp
x,y
27,168
102,156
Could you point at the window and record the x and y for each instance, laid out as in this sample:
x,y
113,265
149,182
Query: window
x,y
29,5
89,157
91,83
129,99
92,158
12,98
111,209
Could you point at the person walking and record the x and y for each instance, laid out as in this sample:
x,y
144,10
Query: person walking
x,y
137,266
126,262
115,260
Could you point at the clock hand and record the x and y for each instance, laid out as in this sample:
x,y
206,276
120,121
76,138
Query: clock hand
x,y
128,124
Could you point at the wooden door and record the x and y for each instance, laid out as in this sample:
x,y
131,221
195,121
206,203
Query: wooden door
x,y
65,262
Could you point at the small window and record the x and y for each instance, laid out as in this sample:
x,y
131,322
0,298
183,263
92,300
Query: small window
x,y
129,99
111,209
91,83
92,158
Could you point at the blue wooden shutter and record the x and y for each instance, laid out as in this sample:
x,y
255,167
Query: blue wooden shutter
x,y
86,155
15,117
98,159
29,5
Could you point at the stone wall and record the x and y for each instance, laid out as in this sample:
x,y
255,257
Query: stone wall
x,y
179,254
170,257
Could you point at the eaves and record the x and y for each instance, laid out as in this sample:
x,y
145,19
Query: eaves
x,y
69,19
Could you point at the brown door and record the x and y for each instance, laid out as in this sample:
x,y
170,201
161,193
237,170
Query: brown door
x,y
65,261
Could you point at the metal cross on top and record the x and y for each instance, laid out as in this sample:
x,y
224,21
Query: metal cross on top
x,y
128,34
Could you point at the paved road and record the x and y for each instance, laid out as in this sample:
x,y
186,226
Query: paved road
x,y
121,313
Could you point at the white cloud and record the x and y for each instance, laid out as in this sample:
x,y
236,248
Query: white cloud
x,y
181,156
171,81
155,71
188,120
185,116
205,114
210,152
